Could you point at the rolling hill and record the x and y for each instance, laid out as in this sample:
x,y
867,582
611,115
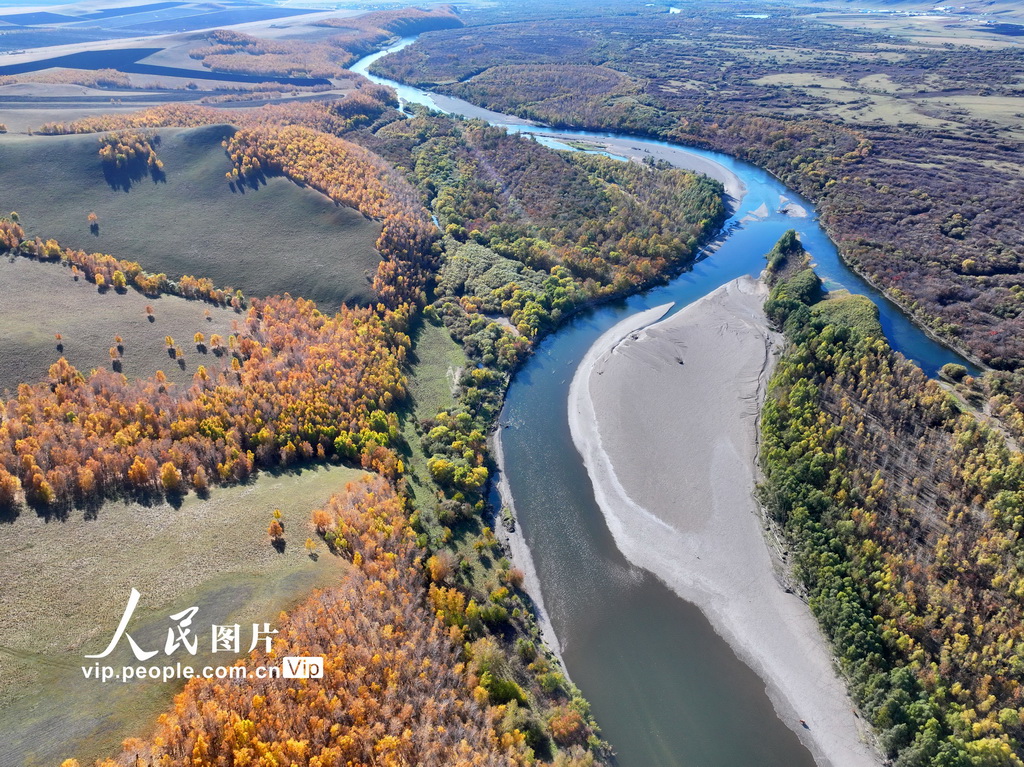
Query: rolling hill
x,y
279,237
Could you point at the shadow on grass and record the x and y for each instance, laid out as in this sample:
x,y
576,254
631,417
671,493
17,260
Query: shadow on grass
x,y
9,512
60,510
252,181
123,177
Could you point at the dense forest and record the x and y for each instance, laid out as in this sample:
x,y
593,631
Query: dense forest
x,y
531,235
600,226
300,385
922,197
903,515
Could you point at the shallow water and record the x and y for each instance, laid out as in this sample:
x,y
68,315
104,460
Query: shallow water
x,y
664,687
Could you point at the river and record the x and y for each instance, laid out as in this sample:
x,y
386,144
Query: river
x,y
665,688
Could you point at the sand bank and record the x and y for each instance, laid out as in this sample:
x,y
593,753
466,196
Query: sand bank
x,y
791,208
665,416
462,108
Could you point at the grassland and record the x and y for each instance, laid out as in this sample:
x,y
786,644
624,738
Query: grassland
x,y
25,118
937,28
67,583
278,238
43,299
437,363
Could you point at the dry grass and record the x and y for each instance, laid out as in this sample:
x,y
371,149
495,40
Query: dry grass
x,y
22,118
925,30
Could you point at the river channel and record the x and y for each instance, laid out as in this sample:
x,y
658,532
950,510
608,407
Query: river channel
x,y
665,688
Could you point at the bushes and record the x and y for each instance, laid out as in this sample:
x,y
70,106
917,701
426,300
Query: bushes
x,y
858,313
793,296
953,371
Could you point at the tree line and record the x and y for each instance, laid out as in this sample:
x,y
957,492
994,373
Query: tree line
x,y
903,515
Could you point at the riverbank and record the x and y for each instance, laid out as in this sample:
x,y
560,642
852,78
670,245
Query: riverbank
x,y
664,686
519,553
665,416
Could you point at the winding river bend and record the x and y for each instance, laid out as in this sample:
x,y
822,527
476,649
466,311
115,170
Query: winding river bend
x,y
665,688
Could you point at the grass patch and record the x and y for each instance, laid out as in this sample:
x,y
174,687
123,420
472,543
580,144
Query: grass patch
x,y
43,299
846,310
437,363
279,238
68,584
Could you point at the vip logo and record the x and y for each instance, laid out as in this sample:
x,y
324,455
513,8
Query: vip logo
x,y
299,667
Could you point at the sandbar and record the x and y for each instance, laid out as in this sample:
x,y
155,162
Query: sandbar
x,y
665,415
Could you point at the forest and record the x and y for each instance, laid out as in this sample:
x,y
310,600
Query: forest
x,y
920,195
903,515
300,386
527,236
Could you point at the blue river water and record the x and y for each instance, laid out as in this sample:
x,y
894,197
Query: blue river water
x,y
665,688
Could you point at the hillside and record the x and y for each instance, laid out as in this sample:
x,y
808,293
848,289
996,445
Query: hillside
x,y
275,238
210,552
89,322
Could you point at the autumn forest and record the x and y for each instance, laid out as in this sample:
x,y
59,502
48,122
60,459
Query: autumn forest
x,y
897,497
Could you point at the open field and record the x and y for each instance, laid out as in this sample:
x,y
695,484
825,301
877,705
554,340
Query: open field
x,y
931,29
437,364
67,584
275,239
79,26
25,117
43,299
